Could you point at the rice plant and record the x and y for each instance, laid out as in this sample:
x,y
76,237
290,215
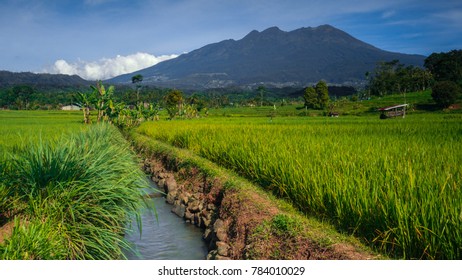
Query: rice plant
x,y
396,184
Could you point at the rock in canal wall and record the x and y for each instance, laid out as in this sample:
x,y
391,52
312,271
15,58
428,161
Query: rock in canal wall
x,y
196,202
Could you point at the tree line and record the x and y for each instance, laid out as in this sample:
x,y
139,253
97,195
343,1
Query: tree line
x,y
100,100
442,73
33,97
394,77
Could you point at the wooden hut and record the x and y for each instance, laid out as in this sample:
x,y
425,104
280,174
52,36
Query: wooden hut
x,y
393,111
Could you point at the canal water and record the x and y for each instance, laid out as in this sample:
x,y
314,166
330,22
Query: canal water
x,y
168,237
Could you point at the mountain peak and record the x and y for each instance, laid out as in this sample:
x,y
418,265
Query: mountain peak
x,y
273,30
275,57
325,27
267,32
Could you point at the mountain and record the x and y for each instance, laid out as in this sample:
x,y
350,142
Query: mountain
x,y
8,79
275,58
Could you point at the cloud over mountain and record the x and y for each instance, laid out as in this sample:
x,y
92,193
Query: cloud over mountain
x,y
107,67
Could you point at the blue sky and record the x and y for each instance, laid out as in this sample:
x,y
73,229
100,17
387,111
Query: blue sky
x,y
103,38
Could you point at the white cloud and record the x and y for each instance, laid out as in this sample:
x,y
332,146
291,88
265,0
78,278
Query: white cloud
x,y
108,67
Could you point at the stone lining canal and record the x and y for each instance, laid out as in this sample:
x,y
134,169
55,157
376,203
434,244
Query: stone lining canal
x,y
168,237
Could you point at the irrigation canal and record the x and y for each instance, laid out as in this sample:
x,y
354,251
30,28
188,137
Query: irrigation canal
x,y
167,238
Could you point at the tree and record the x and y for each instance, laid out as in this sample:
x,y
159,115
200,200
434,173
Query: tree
x,y
197,101
317,97
261,93
311,98
84,101
322,93
446,66
116,113
102,98
138,78
174,102
22,95
445,93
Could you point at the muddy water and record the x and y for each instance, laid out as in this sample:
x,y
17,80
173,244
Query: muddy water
x,y
167,238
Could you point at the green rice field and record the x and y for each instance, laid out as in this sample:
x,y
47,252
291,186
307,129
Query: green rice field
x,y
394,183
18,128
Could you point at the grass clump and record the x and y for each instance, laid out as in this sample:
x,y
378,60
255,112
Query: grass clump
x,y
86,188
285,225
32,241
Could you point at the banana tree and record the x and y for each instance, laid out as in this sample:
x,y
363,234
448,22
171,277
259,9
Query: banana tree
x,y
151,112
115,112
103,96
84,100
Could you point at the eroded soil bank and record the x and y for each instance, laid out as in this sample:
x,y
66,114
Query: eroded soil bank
x,y
239,220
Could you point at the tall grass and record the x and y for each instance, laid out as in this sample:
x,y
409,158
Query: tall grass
x,y
76,195
395,183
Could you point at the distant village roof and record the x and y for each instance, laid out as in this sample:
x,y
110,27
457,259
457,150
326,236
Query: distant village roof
x,y
71,108
393,107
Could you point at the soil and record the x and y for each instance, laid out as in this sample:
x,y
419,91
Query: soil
x,y
6,228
